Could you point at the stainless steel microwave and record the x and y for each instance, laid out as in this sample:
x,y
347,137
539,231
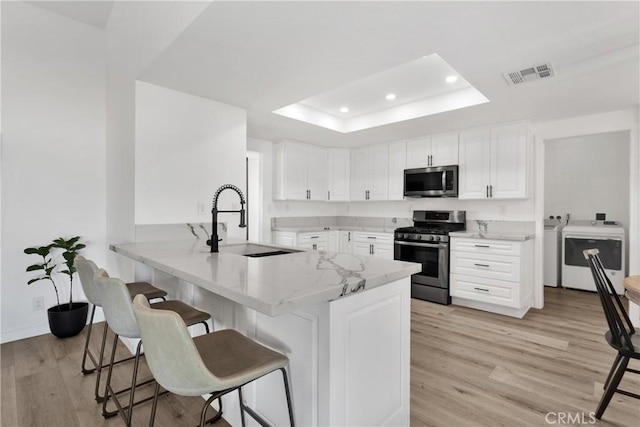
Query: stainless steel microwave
x,y
440,181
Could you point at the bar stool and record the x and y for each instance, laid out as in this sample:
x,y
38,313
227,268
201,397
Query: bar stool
x,y
215,363
118,310
86,270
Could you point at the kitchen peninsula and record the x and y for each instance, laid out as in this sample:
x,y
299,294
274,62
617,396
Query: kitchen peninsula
x,y
343,320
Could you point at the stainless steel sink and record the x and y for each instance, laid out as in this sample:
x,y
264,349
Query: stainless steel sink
x,y
255,251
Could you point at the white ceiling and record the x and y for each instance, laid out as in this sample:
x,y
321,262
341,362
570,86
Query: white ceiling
x,y
262,56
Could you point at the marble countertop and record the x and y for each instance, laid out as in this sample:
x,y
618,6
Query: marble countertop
x,y
493,236
271,285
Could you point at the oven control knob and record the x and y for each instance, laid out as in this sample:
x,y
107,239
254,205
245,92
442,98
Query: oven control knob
x,y
436,238
418,237
431,237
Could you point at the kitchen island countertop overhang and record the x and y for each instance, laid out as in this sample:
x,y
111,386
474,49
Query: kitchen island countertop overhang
x,y
272,285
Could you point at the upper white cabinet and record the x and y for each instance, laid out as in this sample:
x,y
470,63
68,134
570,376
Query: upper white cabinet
x,y
300,172
397,165
437,150
370,173
493,162
339,176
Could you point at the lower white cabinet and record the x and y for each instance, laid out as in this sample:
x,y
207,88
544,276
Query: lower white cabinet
x,y
492,275
374,244
345,242
309,240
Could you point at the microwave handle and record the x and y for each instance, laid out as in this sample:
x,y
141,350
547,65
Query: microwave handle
x,y
444,180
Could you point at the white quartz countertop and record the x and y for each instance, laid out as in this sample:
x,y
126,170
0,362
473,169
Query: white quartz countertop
x,y
493,236
271,285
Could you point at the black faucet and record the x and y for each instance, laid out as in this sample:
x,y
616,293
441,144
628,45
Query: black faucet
x,y
213,242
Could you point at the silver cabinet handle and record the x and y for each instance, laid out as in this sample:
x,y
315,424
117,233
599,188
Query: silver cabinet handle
x,y
482,265
491,191
481,289
314,237
487,191
482,246
371,237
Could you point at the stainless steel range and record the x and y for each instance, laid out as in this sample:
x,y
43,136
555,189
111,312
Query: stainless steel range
x,y
427,243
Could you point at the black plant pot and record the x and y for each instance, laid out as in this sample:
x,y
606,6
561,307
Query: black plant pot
x,y
65,321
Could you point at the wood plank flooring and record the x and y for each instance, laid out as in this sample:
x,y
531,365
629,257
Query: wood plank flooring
x,y
468,368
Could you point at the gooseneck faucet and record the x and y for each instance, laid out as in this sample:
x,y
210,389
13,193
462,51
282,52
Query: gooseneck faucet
x,y
213,242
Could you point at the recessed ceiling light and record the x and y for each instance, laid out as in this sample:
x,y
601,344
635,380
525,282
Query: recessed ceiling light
x,y
390,96
452,79
344,109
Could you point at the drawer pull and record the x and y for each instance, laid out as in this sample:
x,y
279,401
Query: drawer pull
x,y
482,246
481,289
314,237
482,265
371,237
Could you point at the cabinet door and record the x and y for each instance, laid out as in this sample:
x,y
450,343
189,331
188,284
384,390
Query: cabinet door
x,y
339,176
473,176
359,173
397,165
508,161
333,241
383,251
295,171
284,238
379,172
418,151
345,242
361,248
316,168
444,149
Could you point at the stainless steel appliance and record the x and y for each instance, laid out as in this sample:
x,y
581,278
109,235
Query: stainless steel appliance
x,y
427,243
441,181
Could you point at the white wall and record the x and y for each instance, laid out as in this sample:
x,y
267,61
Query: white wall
x,y
186,147
53,160
587,174
137,32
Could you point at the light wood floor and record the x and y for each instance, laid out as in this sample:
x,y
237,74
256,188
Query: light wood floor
x,y
468,368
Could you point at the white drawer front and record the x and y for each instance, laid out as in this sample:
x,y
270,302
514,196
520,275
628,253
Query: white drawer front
x,y
498,247
483,290
364,237
305,238
488,266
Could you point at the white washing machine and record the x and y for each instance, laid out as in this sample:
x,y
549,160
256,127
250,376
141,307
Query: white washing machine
x,y
552,252
607,238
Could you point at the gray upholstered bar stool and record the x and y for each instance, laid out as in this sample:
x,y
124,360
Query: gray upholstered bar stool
x,y
86,270
215,363
118,310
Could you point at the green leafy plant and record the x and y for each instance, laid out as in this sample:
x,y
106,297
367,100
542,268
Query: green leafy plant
x,y
47,267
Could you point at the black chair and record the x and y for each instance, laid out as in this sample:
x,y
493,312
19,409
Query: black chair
x,y
621,335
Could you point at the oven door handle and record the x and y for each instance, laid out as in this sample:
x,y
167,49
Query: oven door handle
x,y
423,245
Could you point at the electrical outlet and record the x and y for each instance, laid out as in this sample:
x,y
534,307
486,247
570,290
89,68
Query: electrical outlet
x,y
202,209
37,303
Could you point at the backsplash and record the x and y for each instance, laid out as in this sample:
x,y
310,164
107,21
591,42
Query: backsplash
x,y
390,223
183,231
500,226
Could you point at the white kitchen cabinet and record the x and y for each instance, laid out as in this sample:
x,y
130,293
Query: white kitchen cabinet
x,y
339,175
437,150
374,244
308,240
493,162
345,242
492,275
370,173
333,241
397,165
284,238
300,171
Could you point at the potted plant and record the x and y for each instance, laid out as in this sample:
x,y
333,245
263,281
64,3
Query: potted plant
x,y
68,319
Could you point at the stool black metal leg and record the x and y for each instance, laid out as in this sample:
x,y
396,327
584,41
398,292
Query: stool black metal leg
x,y
241,406
207,404
86,371
206,326
99,398
288,394
154,405
107,386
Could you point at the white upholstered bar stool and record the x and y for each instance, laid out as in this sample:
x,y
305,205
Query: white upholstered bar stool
x,y
215,363
118,310
86,270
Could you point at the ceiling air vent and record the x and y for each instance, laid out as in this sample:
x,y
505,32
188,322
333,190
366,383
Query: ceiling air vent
x,y
537,72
